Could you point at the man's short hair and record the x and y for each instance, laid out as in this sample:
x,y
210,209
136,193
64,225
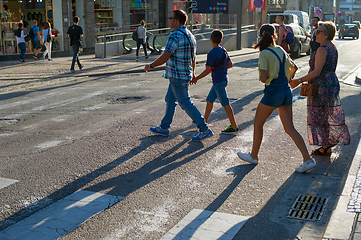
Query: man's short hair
x,y
181,16
281,16
34,21
317,17
217,36
76,19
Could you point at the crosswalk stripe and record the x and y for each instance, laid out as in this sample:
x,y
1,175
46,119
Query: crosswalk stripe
x,y
206,225
4,182
61,217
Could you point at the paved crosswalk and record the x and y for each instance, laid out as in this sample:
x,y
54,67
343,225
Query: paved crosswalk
x,y
61,217
4,182
206,225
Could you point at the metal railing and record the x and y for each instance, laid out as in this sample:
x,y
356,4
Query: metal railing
x,y
157,38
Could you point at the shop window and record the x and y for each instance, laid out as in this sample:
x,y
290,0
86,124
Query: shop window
x,y
140,10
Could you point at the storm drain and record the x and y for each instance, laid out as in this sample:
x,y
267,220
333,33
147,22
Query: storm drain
x,y
126,100
308,207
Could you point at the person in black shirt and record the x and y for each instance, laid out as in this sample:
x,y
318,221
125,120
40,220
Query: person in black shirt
x,y
75,33
313,43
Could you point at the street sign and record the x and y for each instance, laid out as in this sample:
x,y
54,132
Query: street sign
x,y
254,4
338,14
258,3
210,6
318,12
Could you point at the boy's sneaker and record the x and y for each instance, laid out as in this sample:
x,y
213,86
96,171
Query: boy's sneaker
x,y
308,165
247,157
35,57
202,135
137,59
160,131
230,130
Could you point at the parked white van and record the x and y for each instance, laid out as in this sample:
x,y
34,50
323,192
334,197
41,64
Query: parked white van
x,y
303,19
289,18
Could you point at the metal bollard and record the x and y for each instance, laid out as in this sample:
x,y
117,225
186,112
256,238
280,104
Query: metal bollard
x,y
105,45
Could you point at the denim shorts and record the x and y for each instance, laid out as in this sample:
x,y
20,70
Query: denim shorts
x,y
277,97
219,90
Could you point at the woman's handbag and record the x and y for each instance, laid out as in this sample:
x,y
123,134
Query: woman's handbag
x,y
308,89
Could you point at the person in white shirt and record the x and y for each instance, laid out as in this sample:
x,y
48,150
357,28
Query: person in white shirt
x,y
21,41
46,32
141,40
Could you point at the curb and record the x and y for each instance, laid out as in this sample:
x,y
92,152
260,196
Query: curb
x,y
342,223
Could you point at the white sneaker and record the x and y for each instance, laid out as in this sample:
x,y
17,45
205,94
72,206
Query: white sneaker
x,y
309,164
247,157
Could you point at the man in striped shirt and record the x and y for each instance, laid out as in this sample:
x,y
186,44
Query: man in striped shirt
x,y
179,56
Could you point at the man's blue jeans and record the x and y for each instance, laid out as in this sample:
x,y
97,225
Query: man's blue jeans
x,y
178,92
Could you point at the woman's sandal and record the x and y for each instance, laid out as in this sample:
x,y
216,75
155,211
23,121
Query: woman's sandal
x,y
326,151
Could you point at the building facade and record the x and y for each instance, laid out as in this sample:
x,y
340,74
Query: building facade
x,y
96,16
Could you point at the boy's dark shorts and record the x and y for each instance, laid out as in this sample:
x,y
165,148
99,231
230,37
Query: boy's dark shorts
x,y
36,44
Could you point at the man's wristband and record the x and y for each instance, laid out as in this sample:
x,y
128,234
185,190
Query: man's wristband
x,y
300,80
150,65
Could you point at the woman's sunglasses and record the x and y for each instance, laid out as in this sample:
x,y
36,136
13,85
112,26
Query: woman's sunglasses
x,y
318,31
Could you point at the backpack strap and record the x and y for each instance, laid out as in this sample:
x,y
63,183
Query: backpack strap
x,y
190,44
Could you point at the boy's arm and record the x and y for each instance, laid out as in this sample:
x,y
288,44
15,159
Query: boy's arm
x,y
229,64
202,75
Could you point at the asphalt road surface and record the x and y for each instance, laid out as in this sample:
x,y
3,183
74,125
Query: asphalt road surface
x,y
92,134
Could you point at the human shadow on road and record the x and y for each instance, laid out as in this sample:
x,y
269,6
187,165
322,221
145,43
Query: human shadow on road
x,y
126,183
239,172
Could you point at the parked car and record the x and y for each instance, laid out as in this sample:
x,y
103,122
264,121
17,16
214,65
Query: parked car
x,y
348,30
301,43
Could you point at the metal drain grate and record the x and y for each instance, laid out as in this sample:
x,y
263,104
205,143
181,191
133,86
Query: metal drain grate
x,y
308,207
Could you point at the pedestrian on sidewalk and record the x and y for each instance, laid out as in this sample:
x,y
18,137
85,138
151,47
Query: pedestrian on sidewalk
x,y
275,73
20,35
326,125
282,33
36,42
75,34
141,31
314,45
179,55
47,39
218,62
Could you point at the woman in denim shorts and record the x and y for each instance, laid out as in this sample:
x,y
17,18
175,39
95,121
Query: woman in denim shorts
x,y
276,69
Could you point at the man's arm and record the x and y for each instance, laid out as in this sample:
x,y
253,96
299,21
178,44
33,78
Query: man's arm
x,y
159,61
37,33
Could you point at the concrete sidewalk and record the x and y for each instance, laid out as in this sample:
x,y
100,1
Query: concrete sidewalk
x,y
92,66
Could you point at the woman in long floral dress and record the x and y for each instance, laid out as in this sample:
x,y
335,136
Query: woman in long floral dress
x,y
325,116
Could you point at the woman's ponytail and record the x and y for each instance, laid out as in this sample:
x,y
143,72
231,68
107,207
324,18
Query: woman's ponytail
x,y
267,32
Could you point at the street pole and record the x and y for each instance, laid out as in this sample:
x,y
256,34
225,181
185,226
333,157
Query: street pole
x,y
239,26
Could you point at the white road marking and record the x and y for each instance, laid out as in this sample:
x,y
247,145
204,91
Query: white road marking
x,y
206,225
61,217
4,182
49,144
